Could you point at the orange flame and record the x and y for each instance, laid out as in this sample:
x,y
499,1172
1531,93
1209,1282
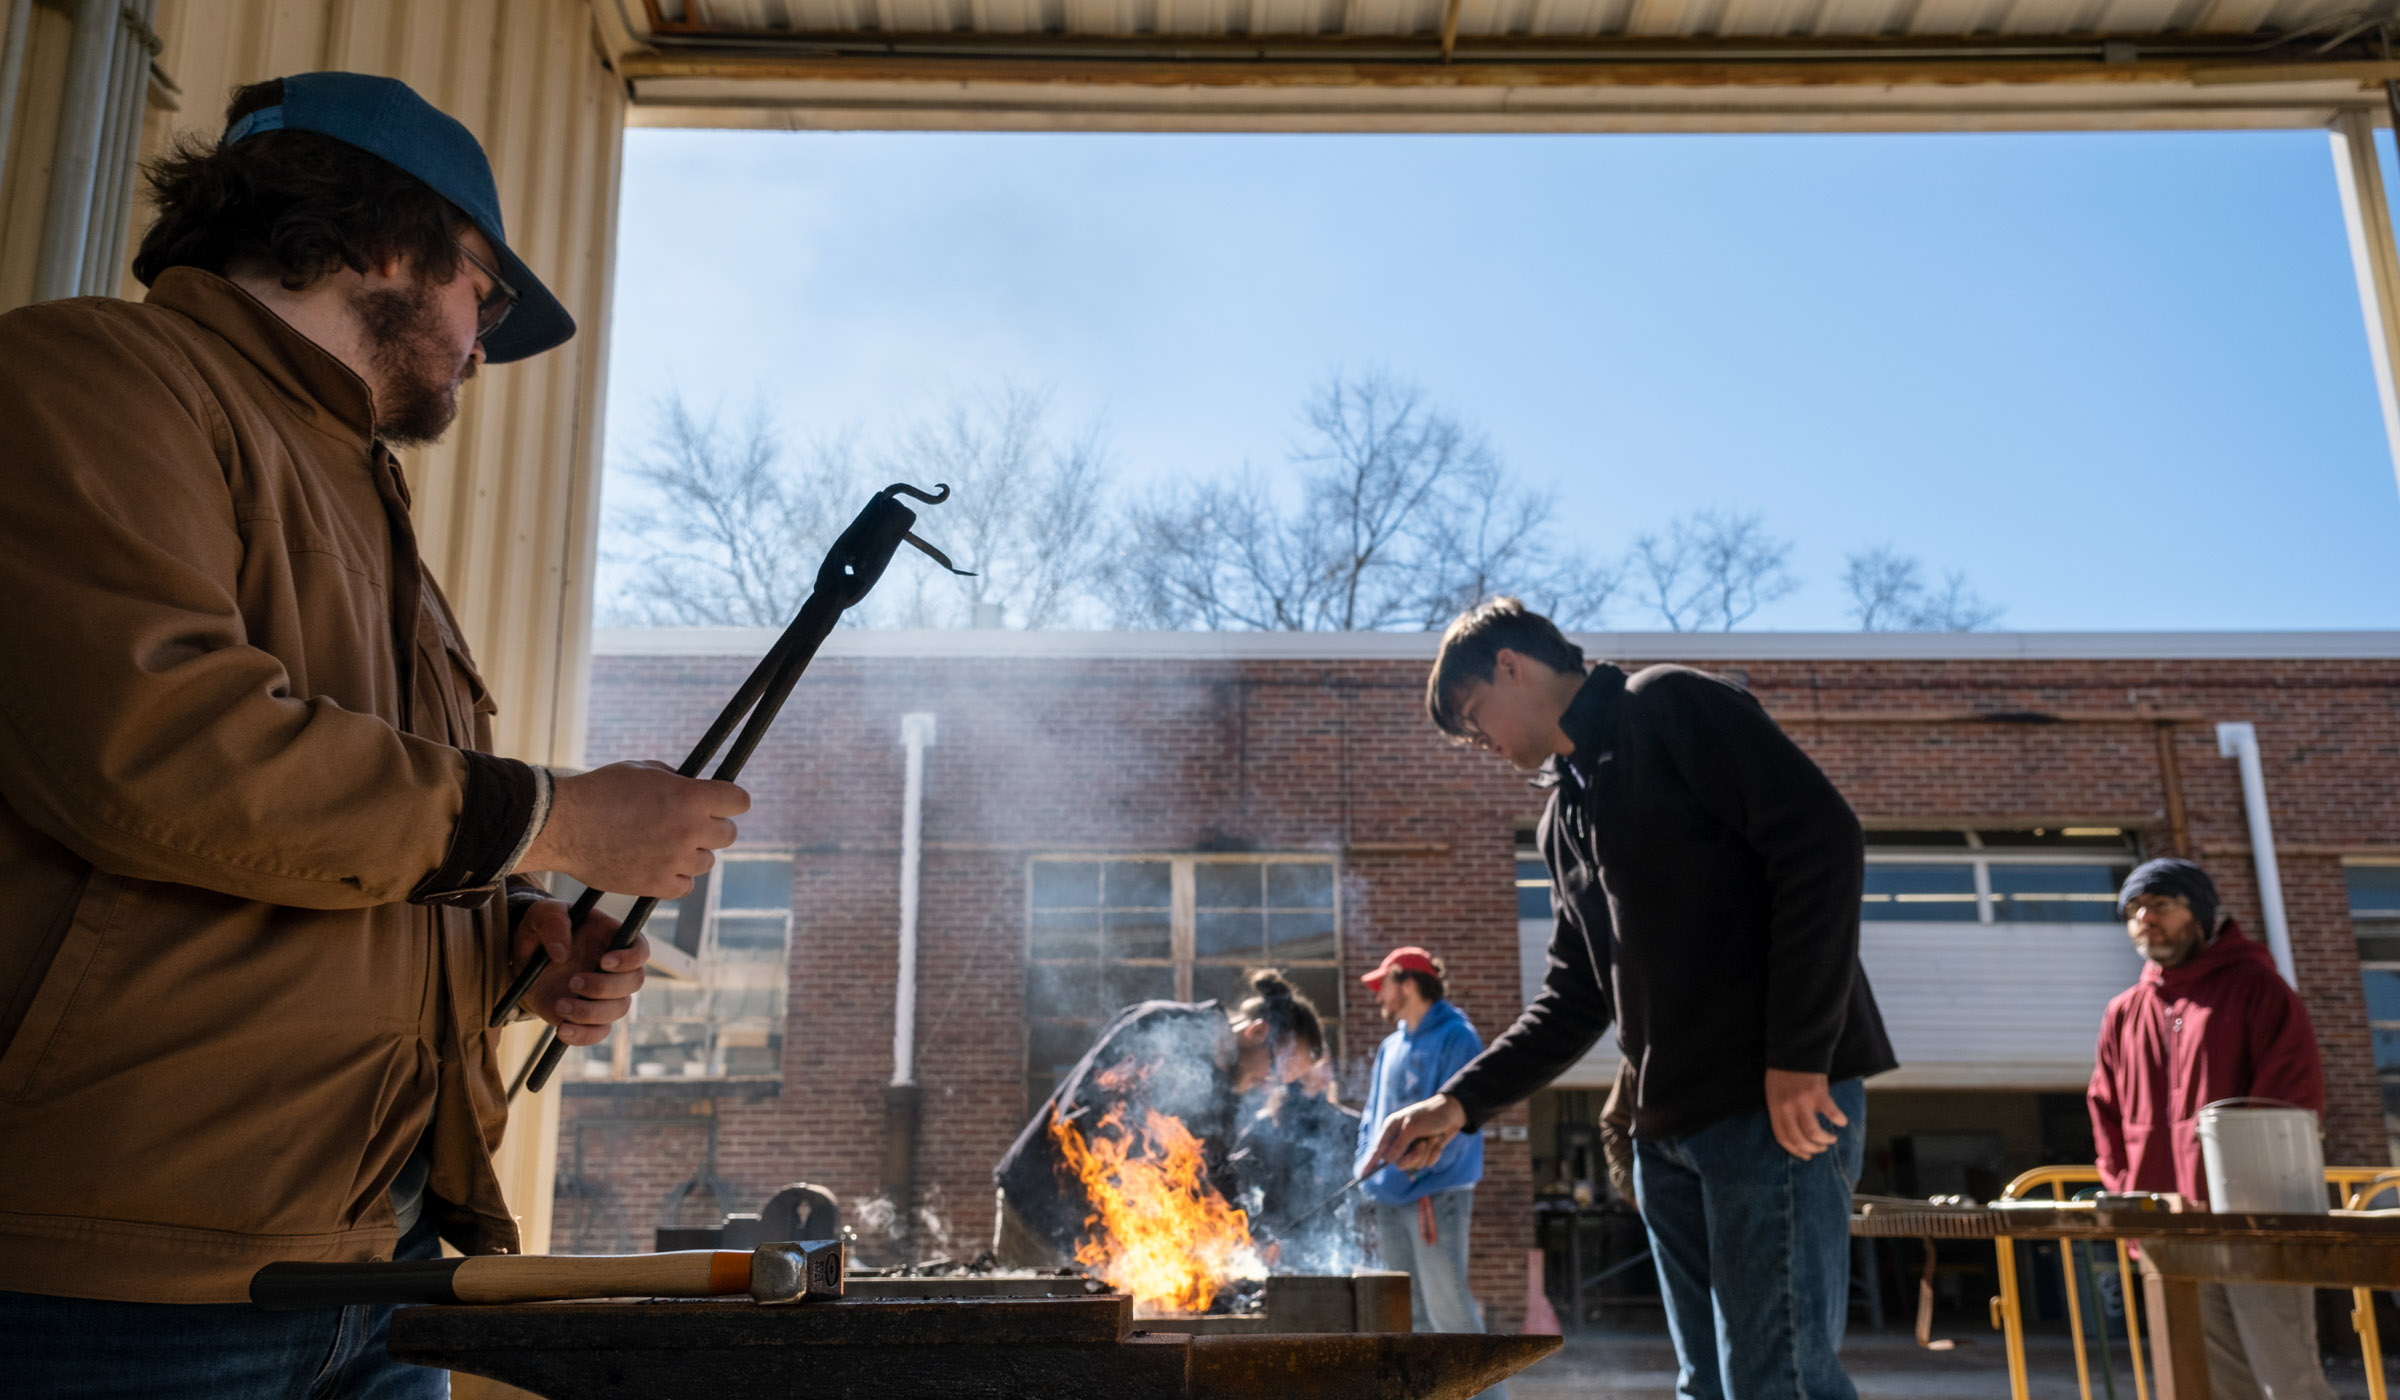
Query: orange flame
x,y
1157,1229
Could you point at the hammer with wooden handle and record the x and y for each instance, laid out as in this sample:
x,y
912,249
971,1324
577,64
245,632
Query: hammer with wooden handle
x,y
772,1273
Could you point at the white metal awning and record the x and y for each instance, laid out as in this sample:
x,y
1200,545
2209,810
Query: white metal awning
x,y
1518,65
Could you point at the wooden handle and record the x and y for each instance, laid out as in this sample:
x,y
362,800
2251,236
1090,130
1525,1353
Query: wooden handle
x,y
535,1278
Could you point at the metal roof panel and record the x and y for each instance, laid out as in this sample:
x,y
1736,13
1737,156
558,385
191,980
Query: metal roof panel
x,y
768,20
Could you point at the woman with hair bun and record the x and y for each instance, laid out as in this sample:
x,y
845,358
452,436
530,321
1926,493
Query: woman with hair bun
x,y
1193,1061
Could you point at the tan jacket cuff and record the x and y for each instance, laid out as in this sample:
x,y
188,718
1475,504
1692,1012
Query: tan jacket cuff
x,y
545,786
495,823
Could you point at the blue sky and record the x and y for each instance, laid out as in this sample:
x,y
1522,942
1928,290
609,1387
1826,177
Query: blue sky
x,y
2120,380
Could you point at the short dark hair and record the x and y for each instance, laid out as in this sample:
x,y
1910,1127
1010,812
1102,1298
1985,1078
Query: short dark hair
x,y
1471,646
1288,1012
299,202
1429,985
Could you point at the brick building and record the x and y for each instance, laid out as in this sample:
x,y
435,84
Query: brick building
x,y
1107,817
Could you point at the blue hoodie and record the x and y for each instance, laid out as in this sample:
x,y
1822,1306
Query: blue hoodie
x,y
1410,1066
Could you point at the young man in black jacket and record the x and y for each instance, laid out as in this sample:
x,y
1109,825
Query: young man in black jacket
x,y
1706,878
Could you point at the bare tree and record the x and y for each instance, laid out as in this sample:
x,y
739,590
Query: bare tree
x,y
1400,517
1712,570
732,537
1212,557
1881,583
1496,539
1888,593
1027,517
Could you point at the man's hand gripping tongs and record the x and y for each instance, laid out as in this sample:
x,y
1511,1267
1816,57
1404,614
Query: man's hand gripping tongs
x,y
851,568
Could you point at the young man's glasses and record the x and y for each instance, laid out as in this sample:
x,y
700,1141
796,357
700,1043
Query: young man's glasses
x,y
494,306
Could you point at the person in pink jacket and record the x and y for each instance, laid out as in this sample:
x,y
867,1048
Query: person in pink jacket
x,y
2209,1019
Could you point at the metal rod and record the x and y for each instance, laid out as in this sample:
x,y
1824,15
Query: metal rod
x,y
2133,1321
1630,1261
2074,1324
2010,1317
851,568
821,618
1319,1208
754,685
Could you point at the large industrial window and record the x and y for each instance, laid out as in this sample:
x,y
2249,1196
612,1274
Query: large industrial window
x,y
2047,875
1103,934
1534,924
1986,947
714,1006
2375,919
2065,875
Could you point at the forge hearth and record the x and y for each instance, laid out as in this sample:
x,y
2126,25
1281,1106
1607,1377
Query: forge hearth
x,y
1367,1300
989,1347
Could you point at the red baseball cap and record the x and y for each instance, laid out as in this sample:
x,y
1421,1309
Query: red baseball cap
x,y
1409,959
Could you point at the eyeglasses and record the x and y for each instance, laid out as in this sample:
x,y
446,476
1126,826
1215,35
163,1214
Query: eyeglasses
x,y
1463,715
493,308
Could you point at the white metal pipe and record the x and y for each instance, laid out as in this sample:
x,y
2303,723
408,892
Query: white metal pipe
x,y
13,43
2239,741
75,155
2374,258
916,734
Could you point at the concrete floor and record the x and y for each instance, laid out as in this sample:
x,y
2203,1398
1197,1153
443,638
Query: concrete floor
x,y
1600,1365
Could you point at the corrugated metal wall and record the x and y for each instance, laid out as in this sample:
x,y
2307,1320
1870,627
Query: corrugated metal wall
x,y
507,504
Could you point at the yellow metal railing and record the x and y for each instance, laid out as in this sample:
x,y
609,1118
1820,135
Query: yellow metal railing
x,y
2007,1311
2360,1191
2353,1186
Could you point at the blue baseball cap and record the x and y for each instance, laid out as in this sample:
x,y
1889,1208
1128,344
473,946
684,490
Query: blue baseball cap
x,y
384,117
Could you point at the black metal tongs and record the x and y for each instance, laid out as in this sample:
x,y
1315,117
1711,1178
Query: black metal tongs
x,y
851,568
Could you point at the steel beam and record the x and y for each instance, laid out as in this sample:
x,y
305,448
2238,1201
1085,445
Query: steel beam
x,y
2374,257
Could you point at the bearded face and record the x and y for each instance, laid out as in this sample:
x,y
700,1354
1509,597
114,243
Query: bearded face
x,y
417,358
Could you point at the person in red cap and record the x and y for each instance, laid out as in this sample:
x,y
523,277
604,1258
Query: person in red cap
x,y
1422,1217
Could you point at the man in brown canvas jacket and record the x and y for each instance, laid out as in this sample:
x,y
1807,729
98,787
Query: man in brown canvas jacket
x,y
252,842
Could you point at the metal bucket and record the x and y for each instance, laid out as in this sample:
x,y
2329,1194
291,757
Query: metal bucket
x,y
2262,1155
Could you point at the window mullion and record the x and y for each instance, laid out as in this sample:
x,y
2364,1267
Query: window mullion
x,y
1984,914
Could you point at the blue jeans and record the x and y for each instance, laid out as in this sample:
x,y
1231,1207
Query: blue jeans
x,y
89,1349
1438,1297
1753,1252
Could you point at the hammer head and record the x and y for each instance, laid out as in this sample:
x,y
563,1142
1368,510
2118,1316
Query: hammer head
x,y
796,1271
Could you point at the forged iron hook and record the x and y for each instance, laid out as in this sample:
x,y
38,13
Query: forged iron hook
x,y
937,556
902,488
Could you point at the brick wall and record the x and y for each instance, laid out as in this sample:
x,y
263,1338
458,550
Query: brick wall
x,y
1047,755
